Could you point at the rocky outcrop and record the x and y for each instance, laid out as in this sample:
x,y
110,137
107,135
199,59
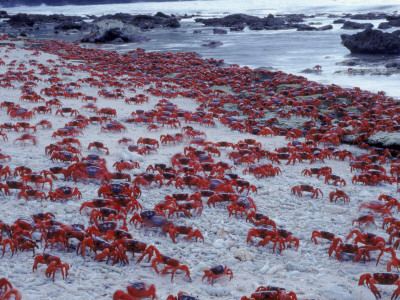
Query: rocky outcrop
x,y
211,44
354,25
237,22
113,35
372,42
27,20
145,22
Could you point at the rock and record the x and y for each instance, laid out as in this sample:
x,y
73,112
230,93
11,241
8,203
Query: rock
x,y
355,25
326,27
161,15
3,14
197,31
334,292
256,26
305,27
311,71
159,20
71,25
339,21
219,31
113,35
212,44
393,63
237,22
396,32
369,16
20,20
238,27
23,33
394,23
384,25
372,42
242,254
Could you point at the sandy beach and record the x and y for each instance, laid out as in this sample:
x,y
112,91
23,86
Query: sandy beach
x,y
219,103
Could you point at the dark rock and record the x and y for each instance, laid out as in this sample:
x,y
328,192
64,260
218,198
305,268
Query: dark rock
x,y
3,14
339,21
396,32
237,22
394,23
305,27
71,25
21,20
23,33
229,21
372,41
350,62
392,64
355,25
197,31
113,35
294,18
238,27
393,17
311,71
212,44
143,21
326,27
384,25
369,16
256,26
219,31
161,15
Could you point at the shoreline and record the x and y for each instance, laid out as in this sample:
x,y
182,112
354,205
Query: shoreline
x,y
261,100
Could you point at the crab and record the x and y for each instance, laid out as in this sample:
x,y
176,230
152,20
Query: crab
x,y
106,249
266,236
7,290
148,141
175,230
338,194
217,272
323,234
113,127
172,264
26,137
64,192
380,278
181,296
53,263
99,146
135,291
306,188
126,165
259,219
271,292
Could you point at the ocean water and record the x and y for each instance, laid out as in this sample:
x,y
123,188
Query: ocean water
x,y
288,50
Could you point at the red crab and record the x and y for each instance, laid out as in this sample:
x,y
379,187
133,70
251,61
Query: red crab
x,y
380,278
98,145
306,188
338,194
175,230
64,192
26,137
172,264
7,290
217,272
271,292
126,165
53,263
135,291
322,234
